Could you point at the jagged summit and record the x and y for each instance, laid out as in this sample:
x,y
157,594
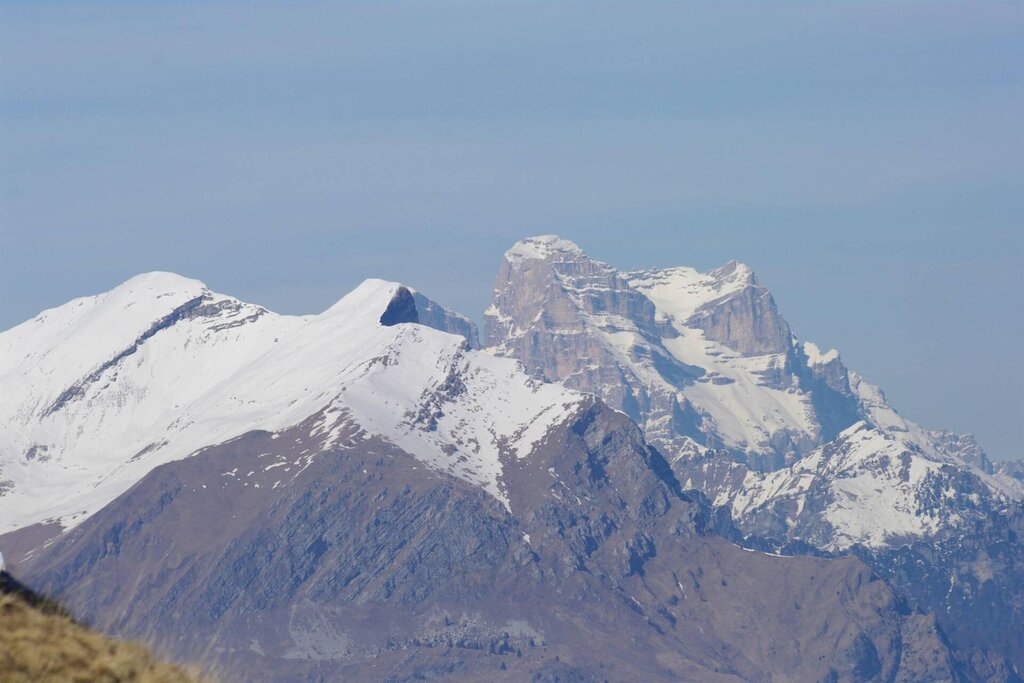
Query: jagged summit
x,y
798,448
543,247
705,363
293,482
698,359
734,270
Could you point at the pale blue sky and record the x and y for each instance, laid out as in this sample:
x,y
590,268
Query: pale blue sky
x,y
866,159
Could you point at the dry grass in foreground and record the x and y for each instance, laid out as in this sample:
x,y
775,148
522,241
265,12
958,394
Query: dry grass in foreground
x,y
44,646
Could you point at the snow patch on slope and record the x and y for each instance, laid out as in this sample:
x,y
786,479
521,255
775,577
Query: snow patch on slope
x,y
878,488
745,412
679,292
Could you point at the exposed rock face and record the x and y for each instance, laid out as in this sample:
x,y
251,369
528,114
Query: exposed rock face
x,y
1010,468
362,565
963,447
554,310
401,309
744,318
973,581
937,531
433,314
806,455
699,360
704,361
357,495
827,381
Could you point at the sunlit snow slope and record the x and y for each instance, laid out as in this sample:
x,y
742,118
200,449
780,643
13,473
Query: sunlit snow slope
x,y
100,390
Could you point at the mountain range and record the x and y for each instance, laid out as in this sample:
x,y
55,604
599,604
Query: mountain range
x,y
633,476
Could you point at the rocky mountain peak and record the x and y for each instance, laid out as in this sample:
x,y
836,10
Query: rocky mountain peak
x,y
543,248
743,315
573,319
335,471
734,271
667,347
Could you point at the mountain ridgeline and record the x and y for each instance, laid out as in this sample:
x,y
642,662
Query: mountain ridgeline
x,y
801,451
634,476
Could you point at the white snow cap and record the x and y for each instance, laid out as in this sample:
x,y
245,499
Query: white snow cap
x,y
542,247
3,567
89,427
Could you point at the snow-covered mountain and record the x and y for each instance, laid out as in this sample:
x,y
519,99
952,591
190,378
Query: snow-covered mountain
x,y
796,445
358,495
804,454
371,464
699,360
101,390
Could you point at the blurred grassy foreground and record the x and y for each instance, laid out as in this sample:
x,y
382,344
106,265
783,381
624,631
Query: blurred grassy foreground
x,y
42,645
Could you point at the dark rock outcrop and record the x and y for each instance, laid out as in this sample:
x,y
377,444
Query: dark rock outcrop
x,y
401,309
433,314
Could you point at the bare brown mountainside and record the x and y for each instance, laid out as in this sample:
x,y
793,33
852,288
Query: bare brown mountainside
x,y
363,566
